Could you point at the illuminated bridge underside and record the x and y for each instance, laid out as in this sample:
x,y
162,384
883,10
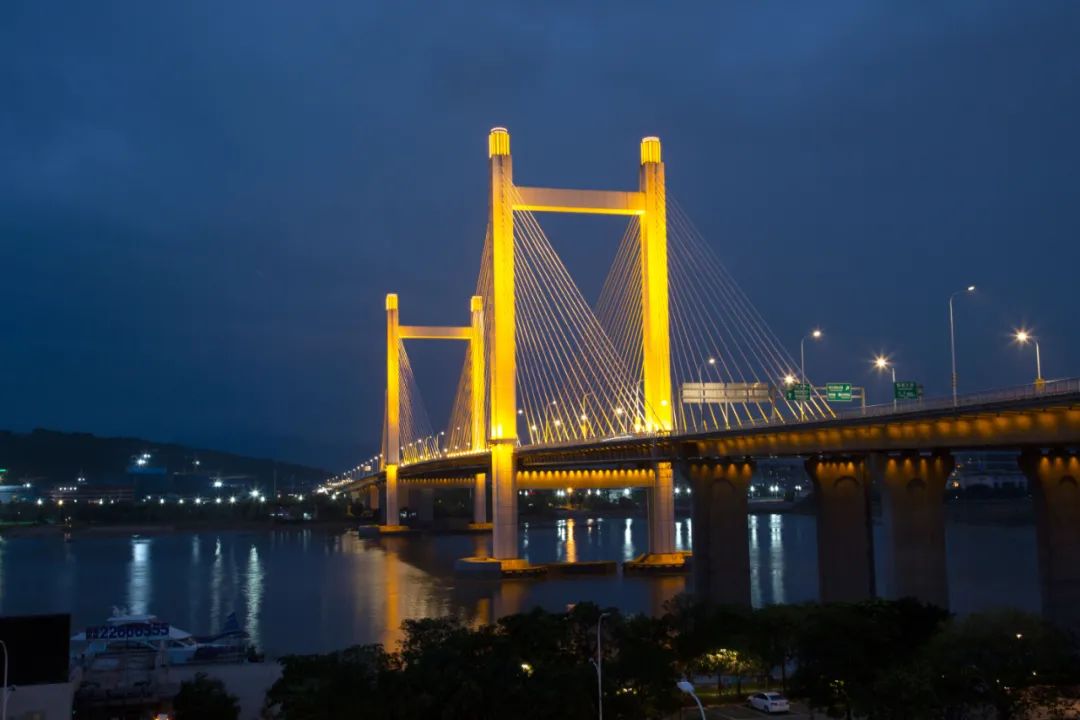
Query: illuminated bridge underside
x,y
1010,424
596,479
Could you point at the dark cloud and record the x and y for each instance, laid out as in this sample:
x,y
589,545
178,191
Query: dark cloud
x,y
202,204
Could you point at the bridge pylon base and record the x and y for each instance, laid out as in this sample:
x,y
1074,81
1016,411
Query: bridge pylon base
x,y
394,529
658,563
480,527
494,568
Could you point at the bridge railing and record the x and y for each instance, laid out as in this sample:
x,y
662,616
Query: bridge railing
x,y
1030,391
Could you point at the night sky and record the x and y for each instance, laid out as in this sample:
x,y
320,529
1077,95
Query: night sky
x,y
202,204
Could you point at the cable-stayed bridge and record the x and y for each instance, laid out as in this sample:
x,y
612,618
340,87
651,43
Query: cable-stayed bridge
x,y
674,371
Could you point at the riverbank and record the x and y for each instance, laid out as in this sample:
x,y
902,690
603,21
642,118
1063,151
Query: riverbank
x,y
121,529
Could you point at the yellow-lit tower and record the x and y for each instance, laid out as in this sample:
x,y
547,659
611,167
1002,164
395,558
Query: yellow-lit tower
x,y
648,204
392,451
656,363
503,435
477,382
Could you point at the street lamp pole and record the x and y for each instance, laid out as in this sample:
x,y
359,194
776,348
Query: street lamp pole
x,y
599,668
816,335
1024,337
701,384
6,690
687,687
881,363
952,338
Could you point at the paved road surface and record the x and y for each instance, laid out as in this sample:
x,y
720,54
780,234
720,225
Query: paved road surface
x,y
741,712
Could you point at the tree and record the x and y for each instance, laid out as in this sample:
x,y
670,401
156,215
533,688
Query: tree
x,y
205,698
640,676
317,687
774,637
844,649
700,628
1006,661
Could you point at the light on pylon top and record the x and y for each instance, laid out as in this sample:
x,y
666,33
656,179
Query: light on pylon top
x,y
650,149
498,142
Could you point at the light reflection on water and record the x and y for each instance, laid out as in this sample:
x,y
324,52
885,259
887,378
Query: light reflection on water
x,y
302,590
139,585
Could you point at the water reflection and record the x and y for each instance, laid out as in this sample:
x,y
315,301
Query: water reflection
x,y
254,592
309,591
139,585
776,559
217,580
570,553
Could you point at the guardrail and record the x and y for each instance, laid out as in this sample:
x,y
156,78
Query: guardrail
x,y
1030,391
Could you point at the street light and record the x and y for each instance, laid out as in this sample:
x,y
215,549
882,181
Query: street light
x,y
882,363
599,663
687,687
815,334
1023,337
952,337
701,383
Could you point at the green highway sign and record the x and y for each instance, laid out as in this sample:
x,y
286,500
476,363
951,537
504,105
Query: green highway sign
x,y
838,392
798,391
907,390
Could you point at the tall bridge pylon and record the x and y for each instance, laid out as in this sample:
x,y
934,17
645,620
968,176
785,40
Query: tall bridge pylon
x,y
396,333
648,205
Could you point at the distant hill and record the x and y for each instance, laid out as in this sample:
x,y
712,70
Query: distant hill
x,y
49,457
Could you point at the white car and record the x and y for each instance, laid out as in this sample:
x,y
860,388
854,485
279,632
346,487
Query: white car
x,y
769,702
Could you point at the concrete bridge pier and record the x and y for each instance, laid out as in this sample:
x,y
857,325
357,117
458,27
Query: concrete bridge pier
x,y
661,506
913,514
1054,478
660,503
721,565
845,544
479,497
372,501
391,501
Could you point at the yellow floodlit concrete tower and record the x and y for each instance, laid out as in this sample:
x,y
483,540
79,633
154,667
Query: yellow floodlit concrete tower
x,y
392,451
395,333
478,434
656,363
648,204
503,433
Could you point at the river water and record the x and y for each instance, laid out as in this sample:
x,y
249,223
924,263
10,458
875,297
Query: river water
x,y
305,590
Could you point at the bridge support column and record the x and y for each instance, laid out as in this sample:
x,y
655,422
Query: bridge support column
x,y
1054,478
479,497
845,544
913,511
504,505
373,498
660,499
392,517
721,564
